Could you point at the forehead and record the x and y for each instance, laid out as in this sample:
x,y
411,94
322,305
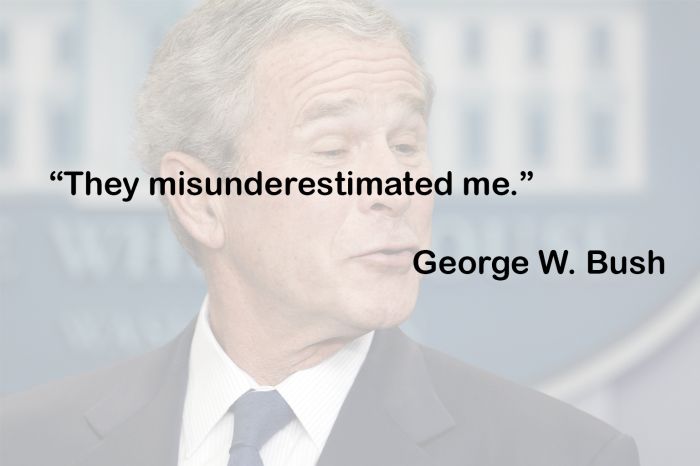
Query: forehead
x,y
316,64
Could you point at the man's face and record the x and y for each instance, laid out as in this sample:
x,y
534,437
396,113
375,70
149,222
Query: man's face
x,y
325,103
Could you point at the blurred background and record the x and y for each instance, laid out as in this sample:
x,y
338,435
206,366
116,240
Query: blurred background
x,y
599,98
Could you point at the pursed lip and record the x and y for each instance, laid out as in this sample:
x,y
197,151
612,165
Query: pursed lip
x,y
393,256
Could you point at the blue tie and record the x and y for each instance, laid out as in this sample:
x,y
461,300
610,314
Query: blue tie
x,y
257,416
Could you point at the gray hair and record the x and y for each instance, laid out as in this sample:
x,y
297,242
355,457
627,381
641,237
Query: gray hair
x,y
198,92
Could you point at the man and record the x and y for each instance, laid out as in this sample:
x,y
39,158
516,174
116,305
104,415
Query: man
x,y
295,358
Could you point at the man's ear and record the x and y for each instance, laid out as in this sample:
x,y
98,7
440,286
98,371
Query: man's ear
x,y
202,216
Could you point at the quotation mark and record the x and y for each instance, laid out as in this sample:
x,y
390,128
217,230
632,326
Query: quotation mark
x,y
56,176
528,175
524,176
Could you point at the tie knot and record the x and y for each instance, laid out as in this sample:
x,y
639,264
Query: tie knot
x,y
257,416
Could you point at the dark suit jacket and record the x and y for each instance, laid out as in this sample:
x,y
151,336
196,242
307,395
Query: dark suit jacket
x,y
409,406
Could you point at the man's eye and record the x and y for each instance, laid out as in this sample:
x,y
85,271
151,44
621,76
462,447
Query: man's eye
x,y
331,153
405,149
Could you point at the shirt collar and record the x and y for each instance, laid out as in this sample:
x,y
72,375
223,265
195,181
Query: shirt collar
x,y
215,382
317,394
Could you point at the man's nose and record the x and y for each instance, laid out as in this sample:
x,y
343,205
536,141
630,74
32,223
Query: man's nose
x,y
383,163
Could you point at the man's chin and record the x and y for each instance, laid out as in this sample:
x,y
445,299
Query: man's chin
x,y
375,316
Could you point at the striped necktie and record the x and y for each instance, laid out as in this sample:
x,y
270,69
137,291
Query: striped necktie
x,y
257,416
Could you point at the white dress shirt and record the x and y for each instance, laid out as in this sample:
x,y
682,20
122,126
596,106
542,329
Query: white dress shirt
x,y
215,382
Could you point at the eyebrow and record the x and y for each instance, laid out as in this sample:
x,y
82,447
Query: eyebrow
x,y
328,109
338,108
414,104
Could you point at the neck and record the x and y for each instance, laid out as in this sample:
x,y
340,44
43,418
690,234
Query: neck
x,y
263,343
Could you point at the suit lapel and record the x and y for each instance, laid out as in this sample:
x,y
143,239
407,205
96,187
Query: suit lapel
x,y
139,423
391,410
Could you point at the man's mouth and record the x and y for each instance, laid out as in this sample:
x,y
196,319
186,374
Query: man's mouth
x,y
390,257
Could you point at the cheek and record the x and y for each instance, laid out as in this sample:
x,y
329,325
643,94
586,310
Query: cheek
x,y
297,232
421,215
280,244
